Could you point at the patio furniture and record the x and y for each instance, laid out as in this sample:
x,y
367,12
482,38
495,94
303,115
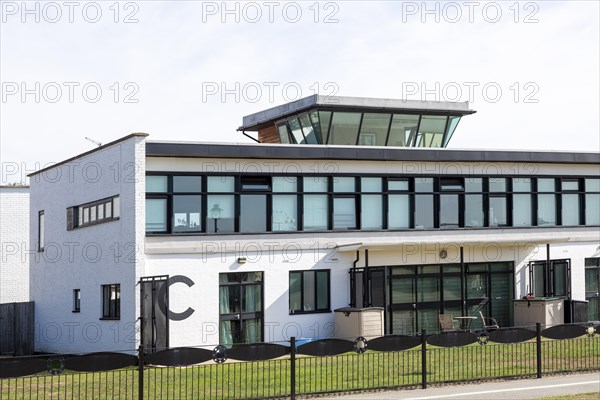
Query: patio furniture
x,y
488,323
446,322
465,322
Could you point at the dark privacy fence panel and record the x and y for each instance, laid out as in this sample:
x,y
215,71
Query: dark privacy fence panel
x,y
322,366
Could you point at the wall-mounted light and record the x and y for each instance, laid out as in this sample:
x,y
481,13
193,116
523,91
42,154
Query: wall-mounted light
x,y
242,260
443,254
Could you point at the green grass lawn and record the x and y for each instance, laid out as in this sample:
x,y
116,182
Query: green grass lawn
x,y
581,396
345,372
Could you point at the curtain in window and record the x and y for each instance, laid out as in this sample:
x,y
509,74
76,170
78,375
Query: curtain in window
x,y
226,338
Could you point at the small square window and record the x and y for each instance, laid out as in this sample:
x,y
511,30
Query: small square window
x,y
76,300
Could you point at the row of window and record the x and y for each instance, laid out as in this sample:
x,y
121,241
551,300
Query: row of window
x,y
93,213
111,301
367,129
254,204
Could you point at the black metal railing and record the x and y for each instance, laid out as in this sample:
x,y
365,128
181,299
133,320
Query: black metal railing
x,y
272,370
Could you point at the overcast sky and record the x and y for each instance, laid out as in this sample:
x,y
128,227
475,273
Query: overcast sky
x,y
190,70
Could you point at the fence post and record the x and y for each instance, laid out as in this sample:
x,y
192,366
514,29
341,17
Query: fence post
x,y
293,367
538,333
423,360
141,372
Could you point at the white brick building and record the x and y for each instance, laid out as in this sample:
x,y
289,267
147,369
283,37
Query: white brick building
x,y
188,244
14,242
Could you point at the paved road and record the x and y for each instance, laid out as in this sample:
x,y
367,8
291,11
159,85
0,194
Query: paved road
x,y
522,389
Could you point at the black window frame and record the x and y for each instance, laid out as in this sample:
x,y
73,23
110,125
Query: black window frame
x,y
74,213
114,313
548,282
76,300
438,189
302,302
41,230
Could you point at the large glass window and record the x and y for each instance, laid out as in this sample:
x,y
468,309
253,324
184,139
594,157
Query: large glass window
x,y
344,128
449,205
344,213
285,208
374,129
324,122
371,211
473,203
522,210
570,209
431,131
592,209
253,213
187,211
546,209
296,130
220,217
316,212
398,211
423,211
497,211
309,291
308,129
371,204
156,215
592,201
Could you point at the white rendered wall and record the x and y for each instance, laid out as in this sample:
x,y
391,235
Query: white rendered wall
x,y
88,257
202,258
14,236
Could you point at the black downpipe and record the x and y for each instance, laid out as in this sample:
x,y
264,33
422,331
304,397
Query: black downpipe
x,y
353,280
366,279
462,282
245,134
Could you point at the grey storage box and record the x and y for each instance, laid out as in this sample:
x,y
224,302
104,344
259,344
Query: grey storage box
x,y
355,322
548,311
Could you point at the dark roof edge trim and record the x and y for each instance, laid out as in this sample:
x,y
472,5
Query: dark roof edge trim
x,y
189,150
104,146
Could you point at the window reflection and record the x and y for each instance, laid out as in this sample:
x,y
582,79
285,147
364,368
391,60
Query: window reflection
x,y
431,131
344,128
403,130
374,129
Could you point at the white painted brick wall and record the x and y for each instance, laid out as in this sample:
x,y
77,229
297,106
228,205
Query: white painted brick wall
x,y
88,257
14,235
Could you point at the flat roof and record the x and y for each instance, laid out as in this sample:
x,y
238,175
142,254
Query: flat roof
x,y
259,119
368,153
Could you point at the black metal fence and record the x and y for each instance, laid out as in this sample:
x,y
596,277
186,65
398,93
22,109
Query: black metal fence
x,y
271,370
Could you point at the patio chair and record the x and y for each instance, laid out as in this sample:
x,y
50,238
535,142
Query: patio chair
x,y
488,323
447,322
